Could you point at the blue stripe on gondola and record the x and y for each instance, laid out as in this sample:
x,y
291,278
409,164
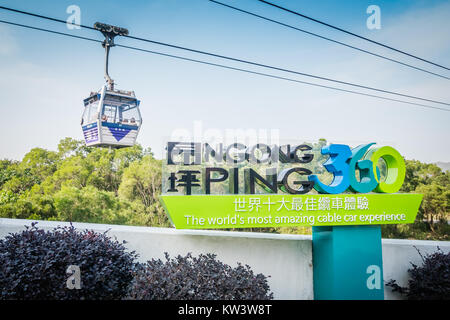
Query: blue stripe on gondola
x,y
91,139
90,132
90,129
87,133
119,125
89,126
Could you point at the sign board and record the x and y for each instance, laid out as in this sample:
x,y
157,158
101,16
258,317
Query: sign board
x,y
302,184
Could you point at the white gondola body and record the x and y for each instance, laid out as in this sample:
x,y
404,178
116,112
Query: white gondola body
x,y
111,119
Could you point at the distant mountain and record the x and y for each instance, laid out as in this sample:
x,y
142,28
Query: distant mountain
x,y
445,166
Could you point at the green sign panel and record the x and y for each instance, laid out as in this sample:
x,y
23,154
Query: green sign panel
x,y
273,210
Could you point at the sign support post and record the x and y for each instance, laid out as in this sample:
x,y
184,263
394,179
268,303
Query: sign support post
x,y
348,263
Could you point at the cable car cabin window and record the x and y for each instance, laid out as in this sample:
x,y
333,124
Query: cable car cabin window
x,y
131,115
109,114
124,114
90,113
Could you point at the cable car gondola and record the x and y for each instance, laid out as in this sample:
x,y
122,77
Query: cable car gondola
x,y
111,117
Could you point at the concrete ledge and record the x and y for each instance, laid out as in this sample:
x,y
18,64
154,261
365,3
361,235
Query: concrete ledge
x,y
20,223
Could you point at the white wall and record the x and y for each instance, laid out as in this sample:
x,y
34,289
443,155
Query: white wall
x,y
286,258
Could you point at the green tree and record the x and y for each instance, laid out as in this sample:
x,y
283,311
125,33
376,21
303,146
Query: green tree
x,y
28,205
418,173
142,181
36,166
68,147
41,163
8,170
99,167
86,204
435,205
434,212
97,206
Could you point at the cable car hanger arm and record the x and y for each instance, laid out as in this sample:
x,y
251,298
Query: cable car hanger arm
x,y
109,32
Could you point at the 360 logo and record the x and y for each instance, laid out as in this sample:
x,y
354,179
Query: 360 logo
x,y
344,162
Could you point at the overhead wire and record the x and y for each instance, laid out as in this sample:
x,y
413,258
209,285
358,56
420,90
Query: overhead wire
x,y
241,60
286,70
46,17
226,67
50,31
329,39
351,33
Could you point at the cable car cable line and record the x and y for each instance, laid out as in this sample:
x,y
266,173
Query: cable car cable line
x,y
281,78
329,39
255,63
351,33
287,70
46,17
228,67
50,31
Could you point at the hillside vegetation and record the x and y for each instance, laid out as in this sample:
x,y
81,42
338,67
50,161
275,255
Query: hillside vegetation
x,y
121,186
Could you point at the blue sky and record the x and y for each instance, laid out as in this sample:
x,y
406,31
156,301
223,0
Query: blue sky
x,y
45,77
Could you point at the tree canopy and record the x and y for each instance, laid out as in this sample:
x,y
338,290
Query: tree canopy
x,y
76,183
122,186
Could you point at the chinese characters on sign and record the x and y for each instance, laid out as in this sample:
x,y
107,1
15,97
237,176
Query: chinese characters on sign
x,y
301,204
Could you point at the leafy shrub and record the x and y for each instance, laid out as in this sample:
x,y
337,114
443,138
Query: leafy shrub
x,y
431,281
33,264
201,278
